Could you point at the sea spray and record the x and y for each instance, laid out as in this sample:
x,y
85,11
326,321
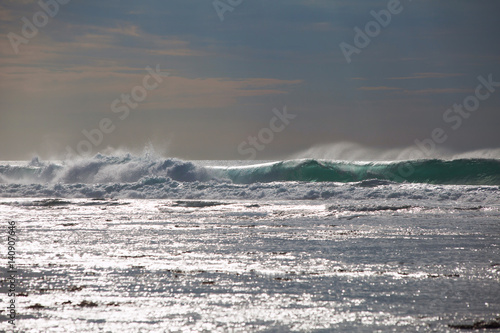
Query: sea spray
x,y
127,168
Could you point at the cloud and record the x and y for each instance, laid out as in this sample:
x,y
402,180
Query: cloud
x,y
263,55
5,15
175,93
433,91
417,76
438,91
379,88
97,64
321,27
207,93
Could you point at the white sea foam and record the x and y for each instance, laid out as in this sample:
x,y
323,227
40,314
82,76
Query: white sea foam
x,y
128,176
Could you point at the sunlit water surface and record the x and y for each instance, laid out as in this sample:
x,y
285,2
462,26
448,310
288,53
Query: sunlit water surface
x,y
136,265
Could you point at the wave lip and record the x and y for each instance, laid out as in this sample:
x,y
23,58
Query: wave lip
x,y
103,169
127,169
433,171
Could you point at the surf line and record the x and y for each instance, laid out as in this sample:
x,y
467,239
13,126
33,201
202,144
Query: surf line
x,y
121,106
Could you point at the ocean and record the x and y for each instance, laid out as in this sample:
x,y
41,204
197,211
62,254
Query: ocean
x,y
151,244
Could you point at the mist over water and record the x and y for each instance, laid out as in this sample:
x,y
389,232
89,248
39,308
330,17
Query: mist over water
x,y
152,176
350,151
343,162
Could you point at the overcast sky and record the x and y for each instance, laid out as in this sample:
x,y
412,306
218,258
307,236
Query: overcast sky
x,y
225,77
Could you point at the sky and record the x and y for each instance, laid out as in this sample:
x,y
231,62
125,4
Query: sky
x,y
247,79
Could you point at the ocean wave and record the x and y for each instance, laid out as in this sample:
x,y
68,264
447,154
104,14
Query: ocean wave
x,y
102,169
453,172
128,176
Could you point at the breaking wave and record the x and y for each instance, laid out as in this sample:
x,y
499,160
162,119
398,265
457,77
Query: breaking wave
x,y
128,176
103,169
453,172
128,169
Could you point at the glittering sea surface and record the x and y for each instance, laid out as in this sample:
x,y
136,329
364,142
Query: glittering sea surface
x,y
179,265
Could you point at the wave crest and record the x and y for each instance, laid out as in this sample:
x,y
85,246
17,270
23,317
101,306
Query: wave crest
x,y
102,169
453,172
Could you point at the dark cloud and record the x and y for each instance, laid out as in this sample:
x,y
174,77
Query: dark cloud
x,y
226,77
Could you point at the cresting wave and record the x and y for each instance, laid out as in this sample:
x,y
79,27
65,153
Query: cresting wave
x,y
149,177
102,169
127,169
454,172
